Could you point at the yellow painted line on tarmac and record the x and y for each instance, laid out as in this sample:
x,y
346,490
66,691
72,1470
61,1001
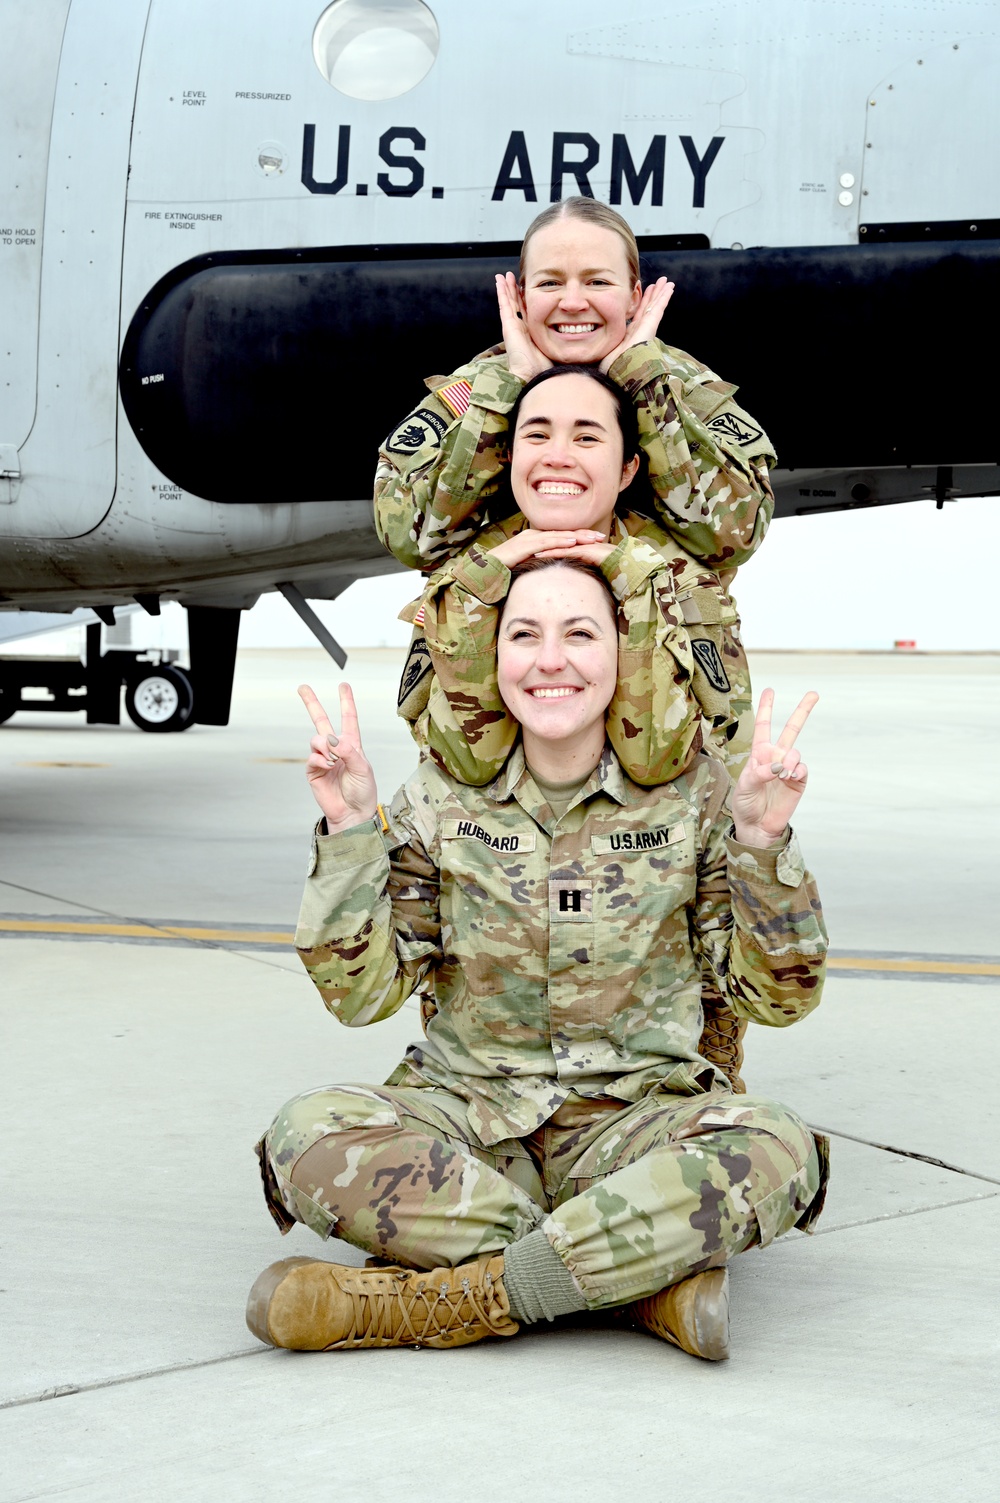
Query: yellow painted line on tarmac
x,y
145,931
64,764
247,938
932,967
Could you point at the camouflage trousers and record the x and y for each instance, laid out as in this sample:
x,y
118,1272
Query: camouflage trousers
x,y
631,1197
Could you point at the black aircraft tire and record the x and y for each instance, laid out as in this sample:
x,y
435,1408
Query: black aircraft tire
x,y
9,705
160,700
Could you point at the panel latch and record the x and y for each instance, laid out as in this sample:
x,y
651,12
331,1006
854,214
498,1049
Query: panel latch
x,y
10,473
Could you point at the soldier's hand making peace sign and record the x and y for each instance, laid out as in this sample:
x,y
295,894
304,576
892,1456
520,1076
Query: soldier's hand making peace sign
x,y
774,778
339,773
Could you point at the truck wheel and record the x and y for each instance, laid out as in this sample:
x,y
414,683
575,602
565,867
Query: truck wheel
x,y
160,699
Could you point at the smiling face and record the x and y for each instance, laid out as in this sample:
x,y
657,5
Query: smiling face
x,y
557,663
578,292
566,463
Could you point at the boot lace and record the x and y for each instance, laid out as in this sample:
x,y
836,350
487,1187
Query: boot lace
x,y
402,1308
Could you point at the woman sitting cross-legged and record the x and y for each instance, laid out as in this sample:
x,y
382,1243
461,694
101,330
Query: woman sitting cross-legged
x,y
555,1143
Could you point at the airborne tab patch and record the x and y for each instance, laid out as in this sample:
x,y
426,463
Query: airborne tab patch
x,y
503,844
732,425
636,840
418,665
420,428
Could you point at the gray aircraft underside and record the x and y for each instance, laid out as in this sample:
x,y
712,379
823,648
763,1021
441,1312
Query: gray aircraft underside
x,y
329,191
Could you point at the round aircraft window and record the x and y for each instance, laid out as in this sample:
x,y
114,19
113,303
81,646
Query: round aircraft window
x,y
375,49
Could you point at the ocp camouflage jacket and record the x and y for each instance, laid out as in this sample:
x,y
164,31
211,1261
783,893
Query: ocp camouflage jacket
x,y
557,956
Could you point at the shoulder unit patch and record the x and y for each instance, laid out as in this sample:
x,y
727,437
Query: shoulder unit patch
x,y
733,425
420,428
416,668
710,662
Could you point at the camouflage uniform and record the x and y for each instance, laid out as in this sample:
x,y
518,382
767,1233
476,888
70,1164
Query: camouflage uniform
x,y
708,460
560,965
442,467
679,660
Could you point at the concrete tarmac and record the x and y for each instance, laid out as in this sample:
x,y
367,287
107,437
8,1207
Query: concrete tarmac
x,y
153,1018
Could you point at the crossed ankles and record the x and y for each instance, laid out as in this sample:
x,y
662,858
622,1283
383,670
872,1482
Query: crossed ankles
x,y
308,1305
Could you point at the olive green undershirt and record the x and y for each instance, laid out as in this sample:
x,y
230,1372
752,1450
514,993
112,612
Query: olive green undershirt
x,y
559,796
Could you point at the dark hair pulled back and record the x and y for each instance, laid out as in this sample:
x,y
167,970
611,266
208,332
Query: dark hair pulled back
x,y
628,424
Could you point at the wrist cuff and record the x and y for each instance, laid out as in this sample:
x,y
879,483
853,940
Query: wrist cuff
x,y
780,862
638,365
483,576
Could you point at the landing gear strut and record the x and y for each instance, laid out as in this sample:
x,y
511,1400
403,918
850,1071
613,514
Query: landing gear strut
x,y
160,697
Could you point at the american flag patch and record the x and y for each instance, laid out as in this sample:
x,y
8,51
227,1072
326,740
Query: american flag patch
x,y
418,619
455,397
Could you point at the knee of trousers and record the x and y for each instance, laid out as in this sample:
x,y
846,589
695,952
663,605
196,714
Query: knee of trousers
x,y
790,1163
714,1178
757,1157
350,1112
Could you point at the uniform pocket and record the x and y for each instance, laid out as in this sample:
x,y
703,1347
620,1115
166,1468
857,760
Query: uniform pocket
x,y
797,1203
797,1161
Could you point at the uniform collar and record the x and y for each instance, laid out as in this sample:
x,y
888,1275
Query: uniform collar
x,y
607,777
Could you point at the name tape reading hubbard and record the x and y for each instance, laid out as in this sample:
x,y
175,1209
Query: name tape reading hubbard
x,y
458,829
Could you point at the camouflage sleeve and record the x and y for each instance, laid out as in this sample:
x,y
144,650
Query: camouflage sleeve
x,y
708,460
443,462
469,730
720,680
654,718
368,930
758,924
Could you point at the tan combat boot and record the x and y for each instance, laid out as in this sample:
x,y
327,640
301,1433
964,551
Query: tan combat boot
x,y
693,1314
722,1038
309,1305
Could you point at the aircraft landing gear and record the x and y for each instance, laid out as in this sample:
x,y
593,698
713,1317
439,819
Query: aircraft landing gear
x,y
159,696
160,699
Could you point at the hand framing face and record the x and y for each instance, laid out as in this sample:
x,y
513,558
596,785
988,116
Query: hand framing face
x,y
524,357
646,322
